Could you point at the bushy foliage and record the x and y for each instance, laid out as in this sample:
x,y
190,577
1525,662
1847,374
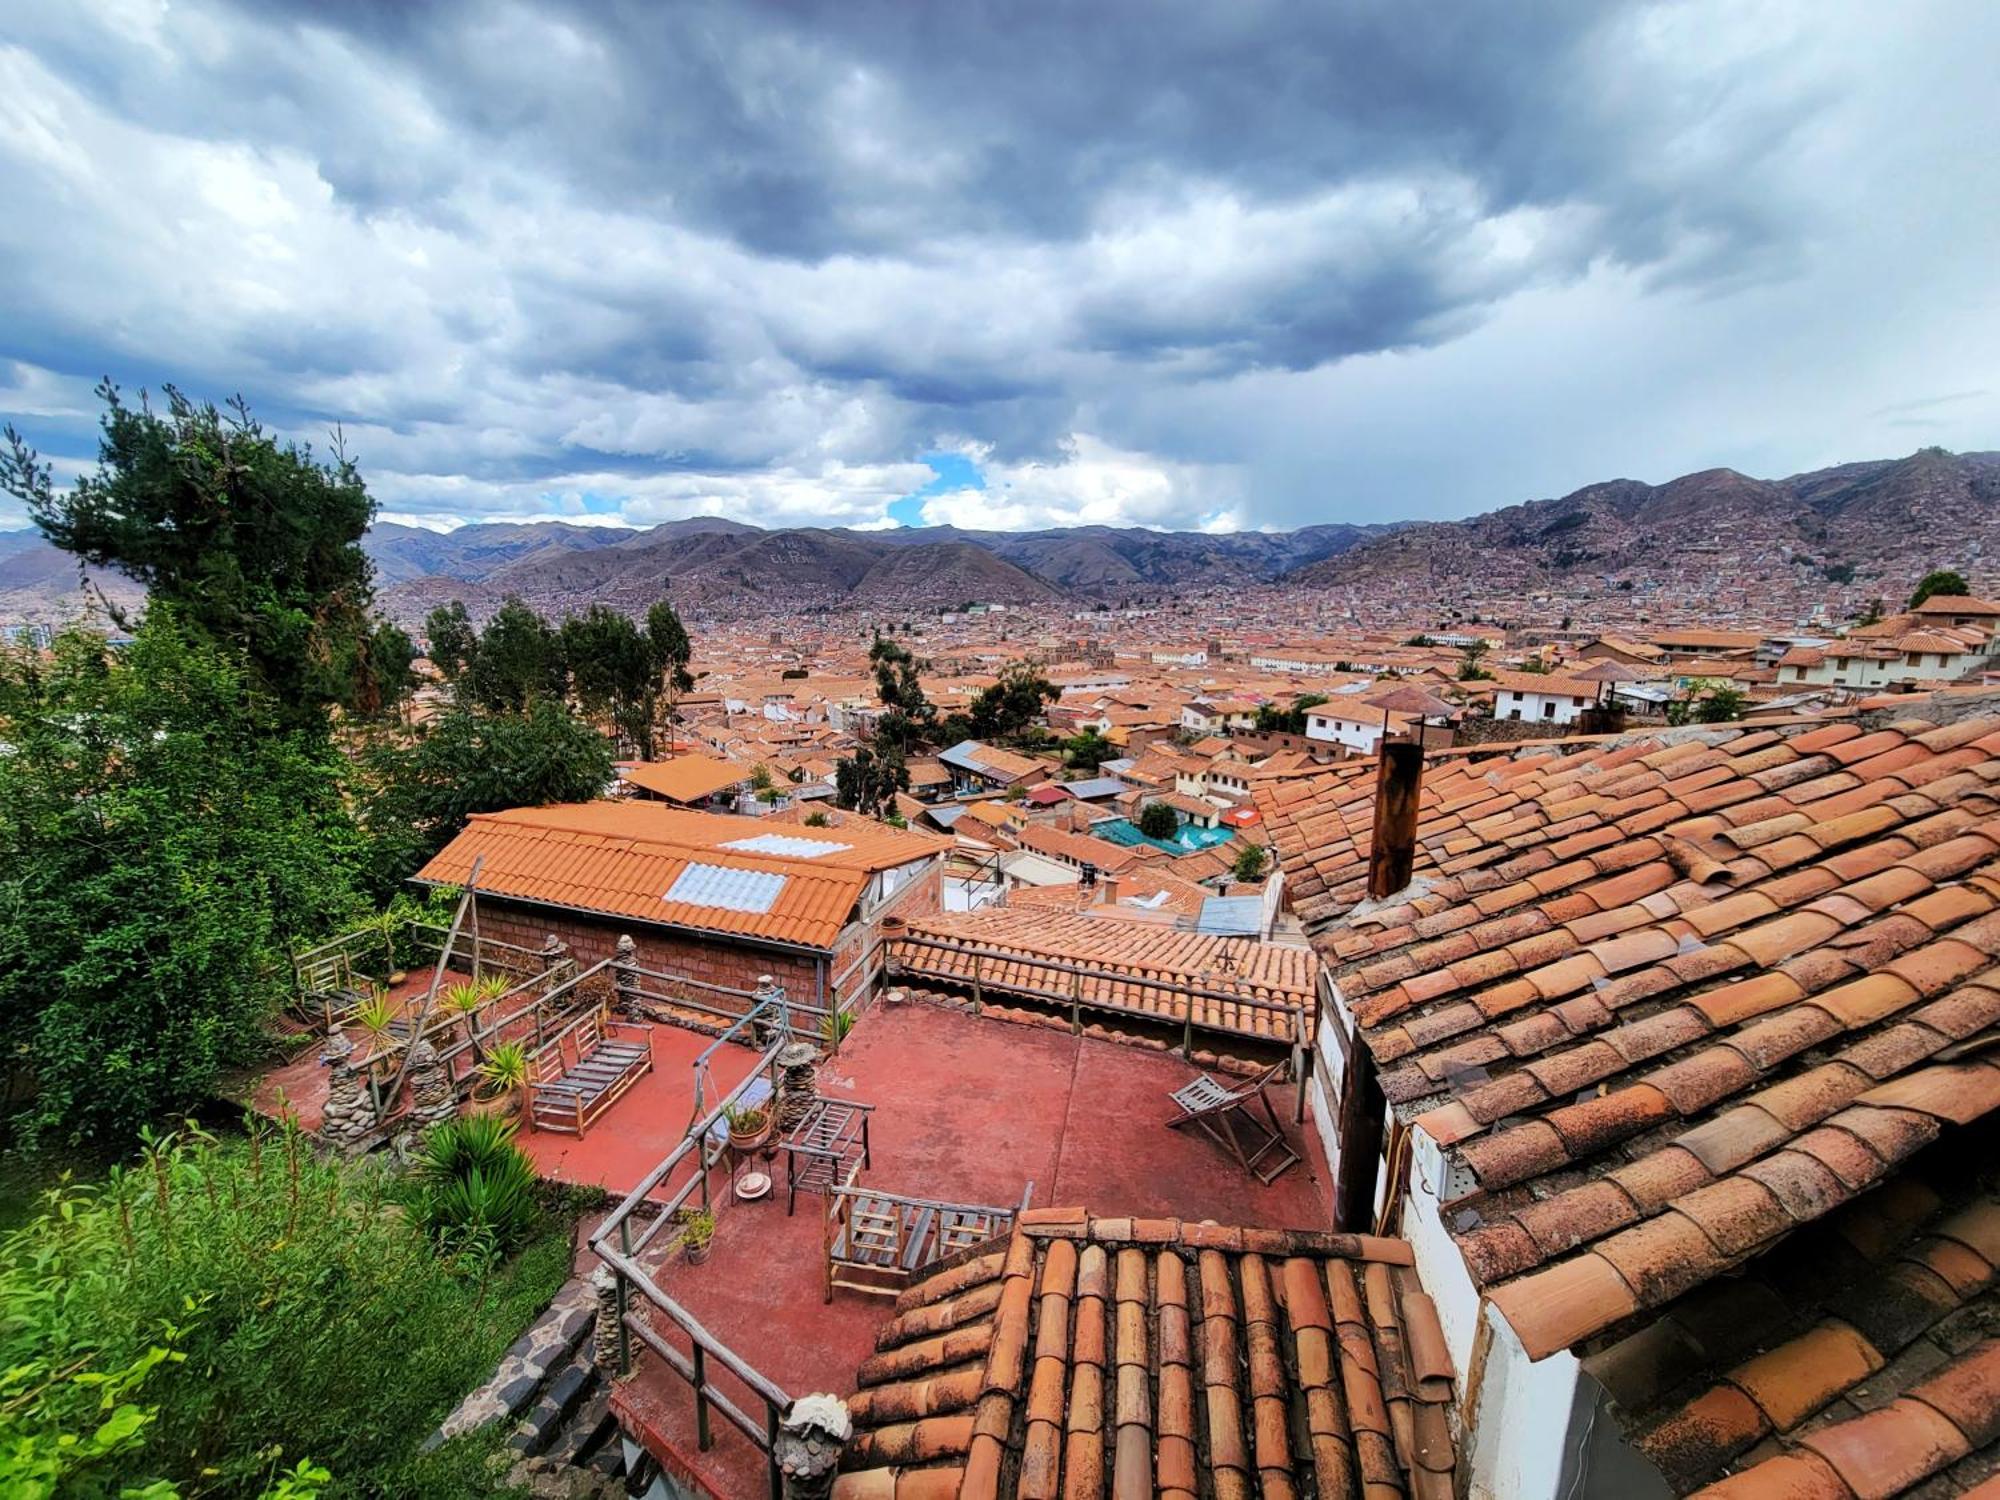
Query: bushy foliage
x,y
255,543
301,1319
1158,821
1251,863
165,831
478,1187
1274,720
420,793
1088,750
1013,705
867,782
1947,581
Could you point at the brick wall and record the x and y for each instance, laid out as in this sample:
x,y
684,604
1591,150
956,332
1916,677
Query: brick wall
x,y
591,939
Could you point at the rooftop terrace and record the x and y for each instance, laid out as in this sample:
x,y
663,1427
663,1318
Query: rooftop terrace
x,y
967,1109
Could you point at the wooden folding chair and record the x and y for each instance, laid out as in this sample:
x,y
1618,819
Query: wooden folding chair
x,y
1227,1116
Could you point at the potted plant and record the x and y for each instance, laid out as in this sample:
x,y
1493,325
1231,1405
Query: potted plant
x,y
749,1126
467,999
503,1079
697,1236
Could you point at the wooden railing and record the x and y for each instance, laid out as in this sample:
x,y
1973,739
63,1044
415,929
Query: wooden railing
x,y
621,1247
984,964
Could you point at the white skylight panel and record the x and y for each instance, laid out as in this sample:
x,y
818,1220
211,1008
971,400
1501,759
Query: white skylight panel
x,y
787,845
726,889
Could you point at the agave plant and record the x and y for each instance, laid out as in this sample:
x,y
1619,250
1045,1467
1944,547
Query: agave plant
x,y
834,1026
506,1067
376,1015
466,999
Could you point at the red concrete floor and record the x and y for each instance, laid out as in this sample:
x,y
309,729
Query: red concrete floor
x,y
641,1130
298,1088
969,1110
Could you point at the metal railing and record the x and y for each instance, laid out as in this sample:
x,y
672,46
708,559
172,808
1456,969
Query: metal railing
x,y
620,1248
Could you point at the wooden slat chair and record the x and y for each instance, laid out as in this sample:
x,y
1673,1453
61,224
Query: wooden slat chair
x,y
580,1073
1226,1115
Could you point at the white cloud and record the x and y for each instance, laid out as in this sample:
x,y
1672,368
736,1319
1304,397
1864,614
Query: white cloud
x,y
1094,484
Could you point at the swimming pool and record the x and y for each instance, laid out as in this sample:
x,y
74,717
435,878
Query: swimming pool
x,y
1187,839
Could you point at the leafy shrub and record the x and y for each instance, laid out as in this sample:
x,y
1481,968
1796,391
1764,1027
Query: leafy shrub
x,y
478,1186
303,1321
1158,821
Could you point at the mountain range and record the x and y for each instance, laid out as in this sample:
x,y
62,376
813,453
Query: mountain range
x,y
1716,534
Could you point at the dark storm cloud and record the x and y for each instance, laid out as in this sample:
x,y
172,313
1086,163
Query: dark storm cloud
x,y
541,247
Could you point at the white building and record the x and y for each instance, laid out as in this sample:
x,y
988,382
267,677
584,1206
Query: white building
x,y
1535,697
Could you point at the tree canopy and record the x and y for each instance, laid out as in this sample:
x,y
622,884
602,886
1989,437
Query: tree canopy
x,y
1006,710
253,542
1947,581
165,830
867,781
470,762
1272,719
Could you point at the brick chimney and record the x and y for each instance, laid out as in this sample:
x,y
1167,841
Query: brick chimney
x,y
1399,781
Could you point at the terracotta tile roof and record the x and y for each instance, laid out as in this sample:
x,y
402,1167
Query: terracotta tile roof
x,y
685,778
1888,1305
1276,975
1081,848
1101,1356
1668,998
622,858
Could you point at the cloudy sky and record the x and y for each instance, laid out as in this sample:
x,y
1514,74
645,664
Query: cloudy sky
x,y
1010,265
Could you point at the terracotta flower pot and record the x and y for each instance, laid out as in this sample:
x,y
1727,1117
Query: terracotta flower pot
x,y
506,1102
750,1140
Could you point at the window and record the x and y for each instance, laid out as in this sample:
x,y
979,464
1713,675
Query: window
x,y
1549,709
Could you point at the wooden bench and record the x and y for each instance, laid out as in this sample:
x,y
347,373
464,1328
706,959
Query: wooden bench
x,y
579,1073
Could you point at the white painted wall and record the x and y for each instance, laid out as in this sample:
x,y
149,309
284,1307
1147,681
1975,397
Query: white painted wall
x,y
1518,1423
1541,708
1356,734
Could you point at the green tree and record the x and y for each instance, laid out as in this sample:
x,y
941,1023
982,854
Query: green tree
x,y
386,676
1470,659
518,661
613,672
1947,581
867,782
1872,615
254,543
672,651
1158,821
1007,709
421,793
1250,863
1708,701
910,715
166,830
1088,750
1274,720
454,639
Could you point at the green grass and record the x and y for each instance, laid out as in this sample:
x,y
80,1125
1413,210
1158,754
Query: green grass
x,y
516,1292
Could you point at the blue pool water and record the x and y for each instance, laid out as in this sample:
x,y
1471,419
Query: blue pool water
x,y
1186,840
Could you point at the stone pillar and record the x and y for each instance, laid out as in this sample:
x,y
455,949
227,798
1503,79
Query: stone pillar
x,y
432,1098
625,978
798,1080
604,1331
814,1431
764,1030
349,1114
558,968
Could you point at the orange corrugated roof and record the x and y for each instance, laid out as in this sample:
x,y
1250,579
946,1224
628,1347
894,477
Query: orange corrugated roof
x,y
685,778
621,859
